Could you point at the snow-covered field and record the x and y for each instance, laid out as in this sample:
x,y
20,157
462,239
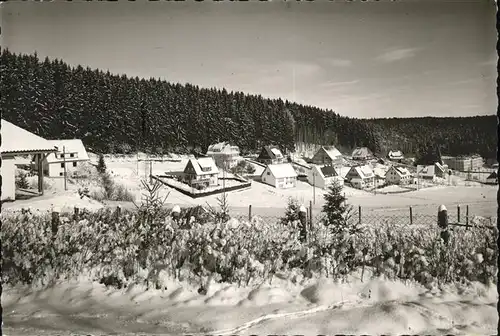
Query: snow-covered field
x,y
267,201
309,308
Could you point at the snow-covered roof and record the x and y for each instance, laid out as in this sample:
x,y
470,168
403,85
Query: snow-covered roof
x,y
440,166
379,172
361,152
281,170
223,147
395,154
364,171
17,140
70,146
401,171
276,152
425,170
200,163
332,152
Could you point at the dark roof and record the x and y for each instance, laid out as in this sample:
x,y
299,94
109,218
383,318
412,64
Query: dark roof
x,y
329,171
493,175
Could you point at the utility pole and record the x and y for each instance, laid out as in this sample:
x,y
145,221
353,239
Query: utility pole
x,y
151,171
64,163
314,187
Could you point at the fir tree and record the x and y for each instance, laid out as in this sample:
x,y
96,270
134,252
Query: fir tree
x,y
101,165
291,212
337,211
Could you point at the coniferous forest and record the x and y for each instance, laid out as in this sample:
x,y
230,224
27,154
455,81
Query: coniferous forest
x,y
119,114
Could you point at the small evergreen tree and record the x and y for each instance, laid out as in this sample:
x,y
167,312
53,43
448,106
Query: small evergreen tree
x,y
337,211
101,165
291,212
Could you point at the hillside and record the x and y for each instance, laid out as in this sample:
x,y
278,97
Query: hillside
x,y
454,136
113,113
116,113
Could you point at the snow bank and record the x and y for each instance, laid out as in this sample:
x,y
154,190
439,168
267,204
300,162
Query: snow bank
x,y
318,307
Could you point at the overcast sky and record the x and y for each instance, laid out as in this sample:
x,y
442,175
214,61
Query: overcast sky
x,y
385,59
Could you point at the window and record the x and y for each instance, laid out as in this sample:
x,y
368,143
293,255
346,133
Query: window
x,y
60,174
72,155
268,173
74,164
62,164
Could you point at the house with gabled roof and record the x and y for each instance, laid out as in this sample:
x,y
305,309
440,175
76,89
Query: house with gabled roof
x,y
323,176
361,177
224,154
426,172
492,178
440,169
280,176
395,155
398,175
70,154
270,155
362,154
327,155
201,173
17,141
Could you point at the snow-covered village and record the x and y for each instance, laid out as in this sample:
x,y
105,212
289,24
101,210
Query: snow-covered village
x,y
259,196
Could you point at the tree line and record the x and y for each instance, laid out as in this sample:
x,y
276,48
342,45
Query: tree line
x,y
120,114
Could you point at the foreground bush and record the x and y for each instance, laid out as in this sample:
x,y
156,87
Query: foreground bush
x,y
133,247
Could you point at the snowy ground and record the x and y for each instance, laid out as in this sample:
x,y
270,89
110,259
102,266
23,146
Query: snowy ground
x,y
370,307
267,201
312,308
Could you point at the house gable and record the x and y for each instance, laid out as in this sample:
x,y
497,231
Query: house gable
x,y
190,169
265,154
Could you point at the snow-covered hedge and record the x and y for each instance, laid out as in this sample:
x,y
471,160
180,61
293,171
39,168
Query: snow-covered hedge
x,y
131,248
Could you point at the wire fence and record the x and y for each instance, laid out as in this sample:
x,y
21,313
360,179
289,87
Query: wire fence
x,y
460,217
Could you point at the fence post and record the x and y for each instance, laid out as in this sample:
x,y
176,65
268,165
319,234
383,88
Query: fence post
x,y
359,214
250,213
76,213
443,223
55,223
411,216
458,213
303,223
310,215
467,217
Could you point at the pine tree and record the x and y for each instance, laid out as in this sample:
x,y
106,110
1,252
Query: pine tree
x,y
337,211
291,212
101,165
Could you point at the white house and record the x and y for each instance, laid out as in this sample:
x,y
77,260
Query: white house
x,y
323,176
379,171
328,155
281,176
224,154
201,173
398,175
361,177
19,142
426,172
70,154
395,155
